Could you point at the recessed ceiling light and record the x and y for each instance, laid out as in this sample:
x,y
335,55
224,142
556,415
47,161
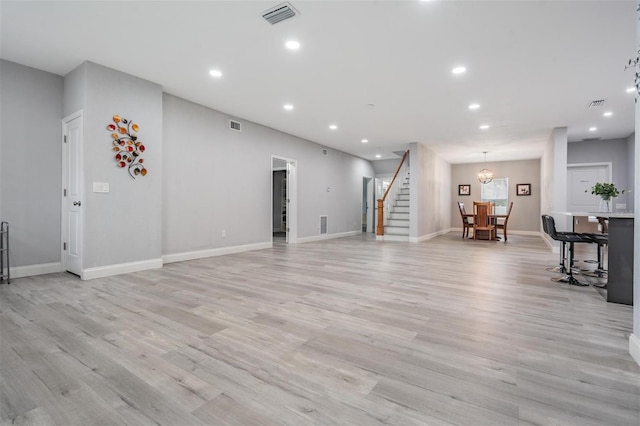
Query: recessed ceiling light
x,y
333,127
484,127
459,70
365,140
292,45
474,106
608,114
593,129
631,89
378,155
288,107
215,73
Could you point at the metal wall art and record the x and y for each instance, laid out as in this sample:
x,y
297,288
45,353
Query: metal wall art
x,y
635,63
127,146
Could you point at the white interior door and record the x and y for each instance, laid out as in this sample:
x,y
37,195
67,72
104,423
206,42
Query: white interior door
x,y
292,202
72,216
580,180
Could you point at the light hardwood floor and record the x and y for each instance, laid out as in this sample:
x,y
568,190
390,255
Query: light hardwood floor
x,y
344,331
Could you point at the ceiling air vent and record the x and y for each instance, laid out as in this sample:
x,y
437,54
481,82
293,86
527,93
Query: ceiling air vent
x,y
235,125
597,103
279,13
325,152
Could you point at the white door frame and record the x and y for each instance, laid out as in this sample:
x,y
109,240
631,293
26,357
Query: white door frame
x,y
65,185
608,165
292,198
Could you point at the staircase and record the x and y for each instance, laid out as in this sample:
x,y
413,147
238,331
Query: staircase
x,y
397,223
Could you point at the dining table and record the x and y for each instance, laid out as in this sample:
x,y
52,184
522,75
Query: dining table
x,y
494,219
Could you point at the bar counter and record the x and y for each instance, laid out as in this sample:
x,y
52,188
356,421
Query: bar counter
x,y
620,258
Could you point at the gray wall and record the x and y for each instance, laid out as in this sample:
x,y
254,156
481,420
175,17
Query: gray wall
x,y
75,90
30,162
525,215
124,225
216,179
386,167
615,151
430,195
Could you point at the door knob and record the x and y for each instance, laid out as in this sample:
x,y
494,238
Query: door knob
x,y
77,203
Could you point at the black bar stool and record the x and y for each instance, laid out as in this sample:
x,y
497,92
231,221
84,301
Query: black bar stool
x,y
561,269
565,237
601,240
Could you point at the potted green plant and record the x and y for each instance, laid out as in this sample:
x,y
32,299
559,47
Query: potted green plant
x,y
606,191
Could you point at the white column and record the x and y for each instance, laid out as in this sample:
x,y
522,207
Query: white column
x,y
634,339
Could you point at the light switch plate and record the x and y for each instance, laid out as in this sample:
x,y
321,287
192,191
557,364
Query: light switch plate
x,y
101,187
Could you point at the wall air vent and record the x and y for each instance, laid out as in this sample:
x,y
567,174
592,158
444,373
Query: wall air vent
x,y
324,227
597,103
235,125
279,13
325,152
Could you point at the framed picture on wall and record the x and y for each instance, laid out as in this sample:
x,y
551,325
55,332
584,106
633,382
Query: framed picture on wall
x,y
523,189
464,189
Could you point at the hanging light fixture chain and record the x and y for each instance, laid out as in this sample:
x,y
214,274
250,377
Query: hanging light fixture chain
x,y
485,175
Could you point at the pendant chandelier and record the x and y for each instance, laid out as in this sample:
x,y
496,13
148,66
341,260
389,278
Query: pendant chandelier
x,y
485,175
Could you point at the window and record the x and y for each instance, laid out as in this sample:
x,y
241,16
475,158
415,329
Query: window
x,y
497,191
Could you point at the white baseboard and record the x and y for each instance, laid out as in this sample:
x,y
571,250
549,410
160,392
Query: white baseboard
x,y
549,242
39,269
530,233
429,236
328,236
391,237
200,254
634,347
122,268
514,232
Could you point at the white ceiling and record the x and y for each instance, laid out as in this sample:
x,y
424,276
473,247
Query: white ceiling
x,y
532,65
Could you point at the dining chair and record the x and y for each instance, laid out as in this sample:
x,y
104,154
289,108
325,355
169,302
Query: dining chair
x,y
481,219
466,223
503,225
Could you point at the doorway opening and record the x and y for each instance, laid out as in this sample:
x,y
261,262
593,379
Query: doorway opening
x,y
284,223
368,201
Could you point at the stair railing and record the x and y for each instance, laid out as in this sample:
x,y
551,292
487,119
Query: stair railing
x,y
392,189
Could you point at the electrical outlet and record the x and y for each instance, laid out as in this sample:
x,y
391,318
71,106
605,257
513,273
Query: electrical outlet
x,y
223,233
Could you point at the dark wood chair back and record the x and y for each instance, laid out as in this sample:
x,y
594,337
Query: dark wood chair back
x,y
465,219
466,223
481,219
481,212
